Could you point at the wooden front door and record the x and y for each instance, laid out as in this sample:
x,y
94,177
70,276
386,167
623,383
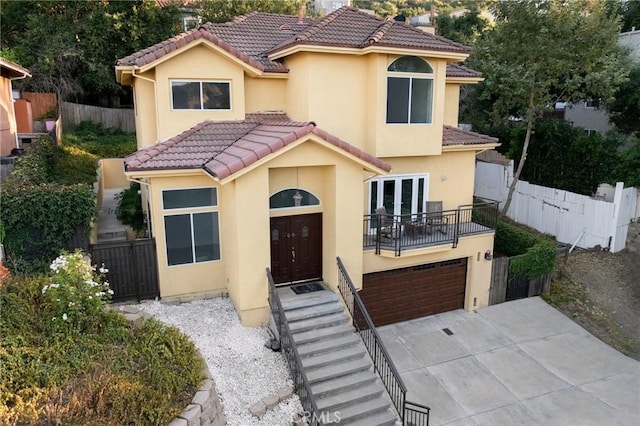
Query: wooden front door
x,y
296,248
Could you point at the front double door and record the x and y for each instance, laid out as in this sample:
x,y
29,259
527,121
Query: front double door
x,y
296,248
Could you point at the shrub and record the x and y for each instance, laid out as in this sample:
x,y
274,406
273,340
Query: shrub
x,y
534,255
76,296
95,369
129,210
103,143
39,219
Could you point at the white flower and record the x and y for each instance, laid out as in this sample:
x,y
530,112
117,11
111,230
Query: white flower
x,y
110,291
64,317
90,297
103,270
44,289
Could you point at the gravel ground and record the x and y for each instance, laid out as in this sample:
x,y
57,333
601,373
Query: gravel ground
x,y
243,369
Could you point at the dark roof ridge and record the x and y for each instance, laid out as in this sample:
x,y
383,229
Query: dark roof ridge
x,y
380,32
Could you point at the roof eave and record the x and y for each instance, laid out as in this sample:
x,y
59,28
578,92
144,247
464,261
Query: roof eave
x,y
464,80
318,48
470,147
168,172
16,72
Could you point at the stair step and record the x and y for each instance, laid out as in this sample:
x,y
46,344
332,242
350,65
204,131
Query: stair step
x,y
322,334
333,371
329,387
319,322
310,299
333,357
310,349
370,409
313,311
350,396
386,418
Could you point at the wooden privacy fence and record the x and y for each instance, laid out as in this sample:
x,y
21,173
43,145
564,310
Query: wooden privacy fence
x,y
110,118
132,265
41,103
506,286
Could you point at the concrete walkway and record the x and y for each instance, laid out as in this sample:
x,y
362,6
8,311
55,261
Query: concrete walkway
x,y
517,363
109,227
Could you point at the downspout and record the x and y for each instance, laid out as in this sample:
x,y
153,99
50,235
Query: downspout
x,y
155,93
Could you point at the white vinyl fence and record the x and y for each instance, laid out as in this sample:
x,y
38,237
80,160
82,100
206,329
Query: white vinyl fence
x,y
571,218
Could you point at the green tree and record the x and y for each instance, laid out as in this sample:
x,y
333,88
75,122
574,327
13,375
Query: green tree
x,y
543,51
565,157
71,47
627,168
225,10
624,110
465,28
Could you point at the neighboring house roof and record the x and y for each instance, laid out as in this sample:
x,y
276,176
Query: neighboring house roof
x,y
255,36
223,148
460,71
12,70
454,136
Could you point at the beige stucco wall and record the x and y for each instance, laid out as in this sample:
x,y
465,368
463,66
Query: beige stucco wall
x,y
144,92
472,247
198,63
265,94
112,173
7,118
189,279
451,104
451,176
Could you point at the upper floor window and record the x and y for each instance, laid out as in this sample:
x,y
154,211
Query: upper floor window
x,y
592,103
200,95
409,91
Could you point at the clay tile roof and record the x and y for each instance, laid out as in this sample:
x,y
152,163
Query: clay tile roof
x,y
254,36
455,136
223,148
457,70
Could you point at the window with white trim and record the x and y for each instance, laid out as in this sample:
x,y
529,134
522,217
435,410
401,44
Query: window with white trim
x,y
193,236
201,95
400,194
409,91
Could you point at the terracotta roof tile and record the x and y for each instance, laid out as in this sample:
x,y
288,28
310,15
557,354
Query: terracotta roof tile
x,y
225,147
457,70
454,136
254,36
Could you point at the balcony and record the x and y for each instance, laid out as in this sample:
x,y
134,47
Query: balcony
x,y
413,231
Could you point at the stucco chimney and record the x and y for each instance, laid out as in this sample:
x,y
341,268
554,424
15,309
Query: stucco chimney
x,y
301,14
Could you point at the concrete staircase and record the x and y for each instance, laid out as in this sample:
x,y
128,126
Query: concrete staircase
x,y
340,371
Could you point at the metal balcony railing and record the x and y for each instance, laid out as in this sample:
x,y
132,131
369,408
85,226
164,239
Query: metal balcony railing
x,y
411,231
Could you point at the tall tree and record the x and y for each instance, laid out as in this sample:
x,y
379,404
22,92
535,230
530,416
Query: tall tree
x,y
71,47
464,28
624,110
544,51
225,10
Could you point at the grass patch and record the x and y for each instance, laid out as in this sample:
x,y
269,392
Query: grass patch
x,y
65,360
103,143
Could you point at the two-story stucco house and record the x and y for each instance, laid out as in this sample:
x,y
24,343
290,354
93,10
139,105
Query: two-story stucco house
x,y
271,140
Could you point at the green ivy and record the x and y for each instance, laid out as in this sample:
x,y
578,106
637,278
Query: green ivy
x,y
39,218
533,255
129,210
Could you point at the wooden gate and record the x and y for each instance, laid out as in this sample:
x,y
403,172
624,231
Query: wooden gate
x,y
132,265
506,286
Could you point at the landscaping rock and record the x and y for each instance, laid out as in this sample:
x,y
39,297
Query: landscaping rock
x,y
178,422
258,409
285,393
192,415
271,401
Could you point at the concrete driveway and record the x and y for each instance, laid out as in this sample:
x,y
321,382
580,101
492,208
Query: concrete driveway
x,y
517,363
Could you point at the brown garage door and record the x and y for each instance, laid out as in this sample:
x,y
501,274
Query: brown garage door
x,y
404,294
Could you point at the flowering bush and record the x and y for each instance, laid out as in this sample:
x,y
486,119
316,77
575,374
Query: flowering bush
x,y
76,295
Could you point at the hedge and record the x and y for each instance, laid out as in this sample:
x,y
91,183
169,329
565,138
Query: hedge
x,y
533,255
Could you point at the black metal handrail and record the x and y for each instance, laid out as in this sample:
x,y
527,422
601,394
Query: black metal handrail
x,y
398,232
410,413
300,381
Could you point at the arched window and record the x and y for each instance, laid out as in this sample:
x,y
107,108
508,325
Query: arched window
x,y
293,197
409,91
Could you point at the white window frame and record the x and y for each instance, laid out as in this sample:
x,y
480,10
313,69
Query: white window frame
x,y
179,211
173,80
412,76
397,196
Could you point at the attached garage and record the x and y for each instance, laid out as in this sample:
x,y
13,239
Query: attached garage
x,y
403,294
